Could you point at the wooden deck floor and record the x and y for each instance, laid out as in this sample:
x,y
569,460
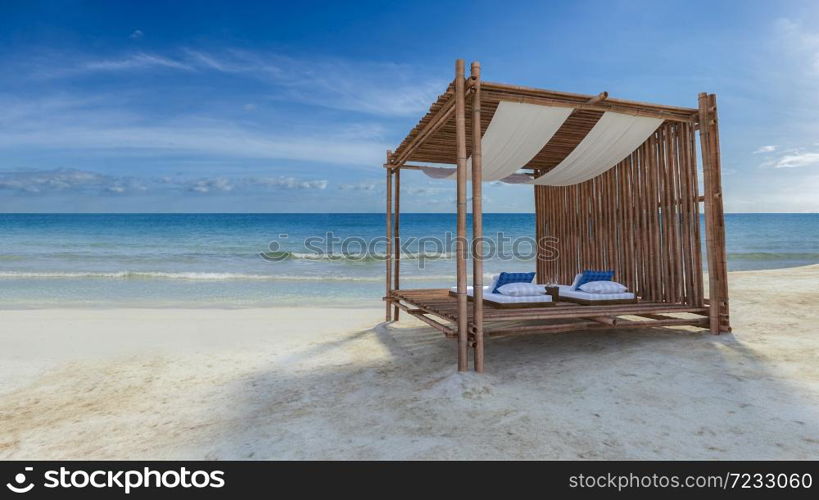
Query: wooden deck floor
x,y
439,309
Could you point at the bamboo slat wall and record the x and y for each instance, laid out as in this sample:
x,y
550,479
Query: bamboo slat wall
x,y
640,218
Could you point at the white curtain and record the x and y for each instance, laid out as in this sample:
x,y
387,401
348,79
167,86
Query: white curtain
x,y
518,132
515,135
439,172
613,137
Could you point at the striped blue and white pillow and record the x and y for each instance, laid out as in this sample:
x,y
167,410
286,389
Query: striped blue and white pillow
x,y
589,276
603,287
506,278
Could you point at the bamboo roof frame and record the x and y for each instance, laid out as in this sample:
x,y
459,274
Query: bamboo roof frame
x,y
640,216
432,140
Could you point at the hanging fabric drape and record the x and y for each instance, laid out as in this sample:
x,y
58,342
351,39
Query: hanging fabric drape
x,y
519,131
515,135
612,138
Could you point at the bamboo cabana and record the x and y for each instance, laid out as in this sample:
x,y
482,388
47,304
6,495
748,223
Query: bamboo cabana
x,y
616,187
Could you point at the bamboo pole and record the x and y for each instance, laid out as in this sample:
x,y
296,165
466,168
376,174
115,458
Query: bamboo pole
x,y
669,215
460,242
719,216
602,96
685,213
574,98
657,249
640,196
705,146
538,96
477,218
714,219
388,253
397,238
696,242
622,237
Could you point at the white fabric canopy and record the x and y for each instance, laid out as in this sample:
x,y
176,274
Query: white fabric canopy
x,y
440,172
515,135
518,131
613,137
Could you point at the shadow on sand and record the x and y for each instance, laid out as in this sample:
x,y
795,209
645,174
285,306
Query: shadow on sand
x,y
392,392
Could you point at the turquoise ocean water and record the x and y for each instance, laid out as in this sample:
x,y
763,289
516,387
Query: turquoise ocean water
x,y
215,260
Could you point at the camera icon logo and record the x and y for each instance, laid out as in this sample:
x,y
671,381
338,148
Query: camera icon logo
x,y
20,480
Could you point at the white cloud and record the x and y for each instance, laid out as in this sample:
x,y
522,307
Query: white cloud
x,y
134,62
428,191
223,141
800,42
209,185
366,87
781,194
32,181
82,127
126,122
136,35
98,125
797,160
65,179
765,149
361,186
224,185
288,183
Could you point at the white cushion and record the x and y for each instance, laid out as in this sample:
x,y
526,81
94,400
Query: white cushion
x,y
522,289
577,276
566,291
454,289
603,287
508,299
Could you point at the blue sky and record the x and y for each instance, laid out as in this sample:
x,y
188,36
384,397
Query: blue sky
x,y
289,107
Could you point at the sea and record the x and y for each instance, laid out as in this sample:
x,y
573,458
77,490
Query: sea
x,y
264,260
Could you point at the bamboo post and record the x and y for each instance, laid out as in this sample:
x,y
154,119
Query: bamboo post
x,y
714,218
719,217
397,238
477,218
460,242
388,253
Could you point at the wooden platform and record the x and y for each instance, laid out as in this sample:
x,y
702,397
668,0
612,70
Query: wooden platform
x,y
438,308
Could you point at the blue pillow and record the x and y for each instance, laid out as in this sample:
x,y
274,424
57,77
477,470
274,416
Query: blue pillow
x,y
589,276
506,278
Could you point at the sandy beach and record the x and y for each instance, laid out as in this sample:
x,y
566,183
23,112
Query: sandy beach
x,y
311,383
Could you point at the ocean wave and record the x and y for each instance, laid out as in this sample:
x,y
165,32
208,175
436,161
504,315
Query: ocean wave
x,y
805,256
352,257
194,276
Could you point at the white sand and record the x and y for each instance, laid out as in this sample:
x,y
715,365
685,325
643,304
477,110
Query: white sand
x,y
330,384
